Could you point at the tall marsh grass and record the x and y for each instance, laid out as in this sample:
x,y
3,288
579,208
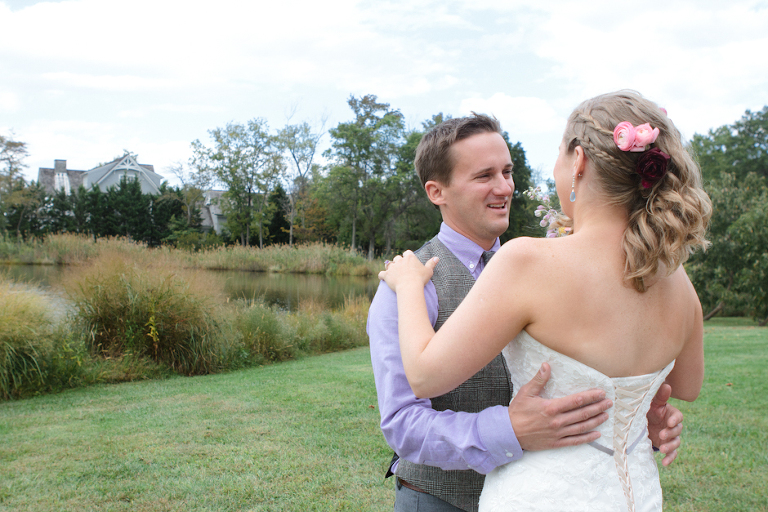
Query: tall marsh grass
x,y
271,335
139,313
146,305
26,329
312,258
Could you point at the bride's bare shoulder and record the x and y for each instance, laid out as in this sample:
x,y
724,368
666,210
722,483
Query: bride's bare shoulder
x,y
524,247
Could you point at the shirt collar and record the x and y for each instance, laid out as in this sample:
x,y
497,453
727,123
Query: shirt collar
x,y
467,251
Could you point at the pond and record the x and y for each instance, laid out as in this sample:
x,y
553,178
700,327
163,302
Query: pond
x,y
282,290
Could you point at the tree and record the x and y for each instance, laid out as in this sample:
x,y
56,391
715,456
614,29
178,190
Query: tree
x,y
727,276
300,143
13,187
279,227
192,191
739,148
364,152
731,277
245,160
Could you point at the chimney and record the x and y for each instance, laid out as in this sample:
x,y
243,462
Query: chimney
x,y
60,166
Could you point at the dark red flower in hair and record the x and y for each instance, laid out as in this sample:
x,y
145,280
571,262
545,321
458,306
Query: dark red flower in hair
x,y
651,166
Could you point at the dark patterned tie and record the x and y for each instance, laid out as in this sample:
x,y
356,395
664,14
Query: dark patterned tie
x,y
487,255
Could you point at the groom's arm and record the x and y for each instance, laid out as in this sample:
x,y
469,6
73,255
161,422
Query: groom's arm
x,y
416,432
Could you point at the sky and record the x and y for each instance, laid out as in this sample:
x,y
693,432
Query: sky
x,y
84,80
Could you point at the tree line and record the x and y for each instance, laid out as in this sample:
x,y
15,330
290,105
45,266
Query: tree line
x,y
367,196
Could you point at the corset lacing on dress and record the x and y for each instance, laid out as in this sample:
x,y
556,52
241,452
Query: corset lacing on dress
x,y
627,402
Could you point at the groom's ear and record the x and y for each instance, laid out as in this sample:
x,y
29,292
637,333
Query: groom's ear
x,y
434,191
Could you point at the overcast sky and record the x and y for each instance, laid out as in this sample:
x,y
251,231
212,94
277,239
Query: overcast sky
x,y
82,80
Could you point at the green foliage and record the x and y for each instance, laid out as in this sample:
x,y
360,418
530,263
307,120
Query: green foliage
x,y
138,314
12,182
25,335
279,227
740,148
364,185
246,159
731,277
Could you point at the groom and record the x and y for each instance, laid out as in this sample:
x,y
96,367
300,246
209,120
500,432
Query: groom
x,y
444,446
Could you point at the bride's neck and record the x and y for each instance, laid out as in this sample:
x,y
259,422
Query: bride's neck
x,y
600,218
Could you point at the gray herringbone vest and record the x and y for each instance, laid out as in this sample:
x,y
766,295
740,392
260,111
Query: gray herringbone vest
x,y
489,387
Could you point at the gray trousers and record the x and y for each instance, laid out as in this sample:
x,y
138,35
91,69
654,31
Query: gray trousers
x,y
408,500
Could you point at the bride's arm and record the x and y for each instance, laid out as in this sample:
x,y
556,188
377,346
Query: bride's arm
x,y
687,376
473,335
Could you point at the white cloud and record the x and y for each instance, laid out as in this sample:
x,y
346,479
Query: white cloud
x,y
149,73
107,82
8,101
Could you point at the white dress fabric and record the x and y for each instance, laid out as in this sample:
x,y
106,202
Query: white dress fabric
x,y
615,473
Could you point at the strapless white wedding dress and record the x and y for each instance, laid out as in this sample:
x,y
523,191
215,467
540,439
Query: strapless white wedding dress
x,y
615,473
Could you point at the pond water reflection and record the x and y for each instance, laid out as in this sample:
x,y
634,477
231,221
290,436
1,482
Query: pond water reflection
x,y
282,290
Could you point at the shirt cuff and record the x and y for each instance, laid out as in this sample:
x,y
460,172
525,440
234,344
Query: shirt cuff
x,y
497,434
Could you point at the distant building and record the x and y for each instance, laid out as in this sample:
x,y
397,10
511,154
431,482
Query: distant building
x,y
103,176
210,212
108,175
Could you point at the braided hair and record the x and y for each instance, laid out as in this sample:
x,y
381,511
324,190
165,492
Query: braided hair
x,y
667,219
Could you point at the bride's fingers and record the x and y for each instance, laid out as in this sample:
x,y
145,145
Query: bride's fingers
x,y
432,262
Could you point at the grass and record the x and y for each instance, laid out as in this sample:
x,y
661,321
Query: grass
x,y
301,435
141,314
304,435
723,463
309,258
151,307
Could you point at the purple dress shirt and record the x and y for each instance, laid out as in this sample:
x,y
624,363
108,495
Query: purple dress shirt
x,y
416,432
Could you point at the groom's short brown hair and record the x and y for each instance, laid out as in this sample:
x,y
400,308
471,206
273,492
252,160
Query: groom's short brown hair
x,y
433,160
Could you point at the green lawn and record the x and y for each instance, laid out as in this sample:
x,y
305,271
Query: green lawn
x,y
723,463
303,435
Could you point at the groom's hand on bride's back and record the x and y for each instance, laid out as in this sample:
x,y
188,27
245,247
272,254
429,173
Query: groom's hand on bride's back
x,y
541,423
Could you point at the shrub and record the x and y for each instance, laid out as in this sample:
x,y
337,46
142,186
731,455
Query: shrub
x,y
26,335
146,305
265,333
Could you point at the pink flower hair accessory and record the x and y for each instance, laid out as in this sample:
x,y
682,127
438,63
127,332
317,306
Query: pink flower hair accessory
x,y
635,139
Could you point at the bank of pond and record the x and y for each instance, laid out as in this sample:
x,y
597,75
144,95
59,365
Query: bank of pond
x,y
114,311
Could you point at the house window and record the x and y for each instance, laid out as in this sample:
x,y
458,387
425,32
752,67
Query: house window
x,y
61,182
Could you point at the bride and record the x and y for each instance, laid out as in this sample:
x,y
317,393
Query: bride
x,y
608,306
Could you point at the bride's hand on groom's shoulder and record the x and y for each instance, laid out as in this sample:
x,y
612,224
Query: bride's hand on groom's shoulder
x,y
407,269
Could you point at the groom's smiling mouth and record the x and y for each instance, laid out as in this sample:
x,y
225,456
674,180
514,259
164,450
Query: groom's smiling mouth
x,y
498,206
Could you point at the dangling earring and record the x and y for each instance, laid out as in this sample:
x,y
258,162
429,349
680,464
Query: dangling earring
x,y
573,190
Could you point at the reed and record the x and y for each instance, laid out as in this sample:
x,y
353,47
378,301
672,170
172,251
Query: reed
x,y
144,304
314,258
24,323
270,335
136,313
310,258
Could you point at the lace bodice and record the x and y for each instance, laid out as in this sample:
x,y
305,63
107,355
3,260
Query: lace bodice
x,y
615,473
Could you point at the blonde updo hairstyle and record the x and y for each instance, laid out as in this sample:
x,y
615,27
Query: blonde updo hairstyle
x,y
668,220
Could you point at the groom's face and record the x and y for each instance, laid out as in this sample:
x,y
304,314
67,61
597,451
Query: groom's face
x,y
476,202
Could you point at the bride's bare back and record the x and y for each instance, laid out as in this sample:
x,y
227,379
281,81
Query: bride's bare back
x,y
602,295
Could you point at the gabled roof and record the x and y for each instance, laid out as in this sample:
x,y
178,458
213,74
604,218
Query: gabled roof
x,y
124,163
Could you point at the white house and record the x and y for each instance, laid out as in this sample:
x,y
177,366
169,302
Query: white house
x,y
103,176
